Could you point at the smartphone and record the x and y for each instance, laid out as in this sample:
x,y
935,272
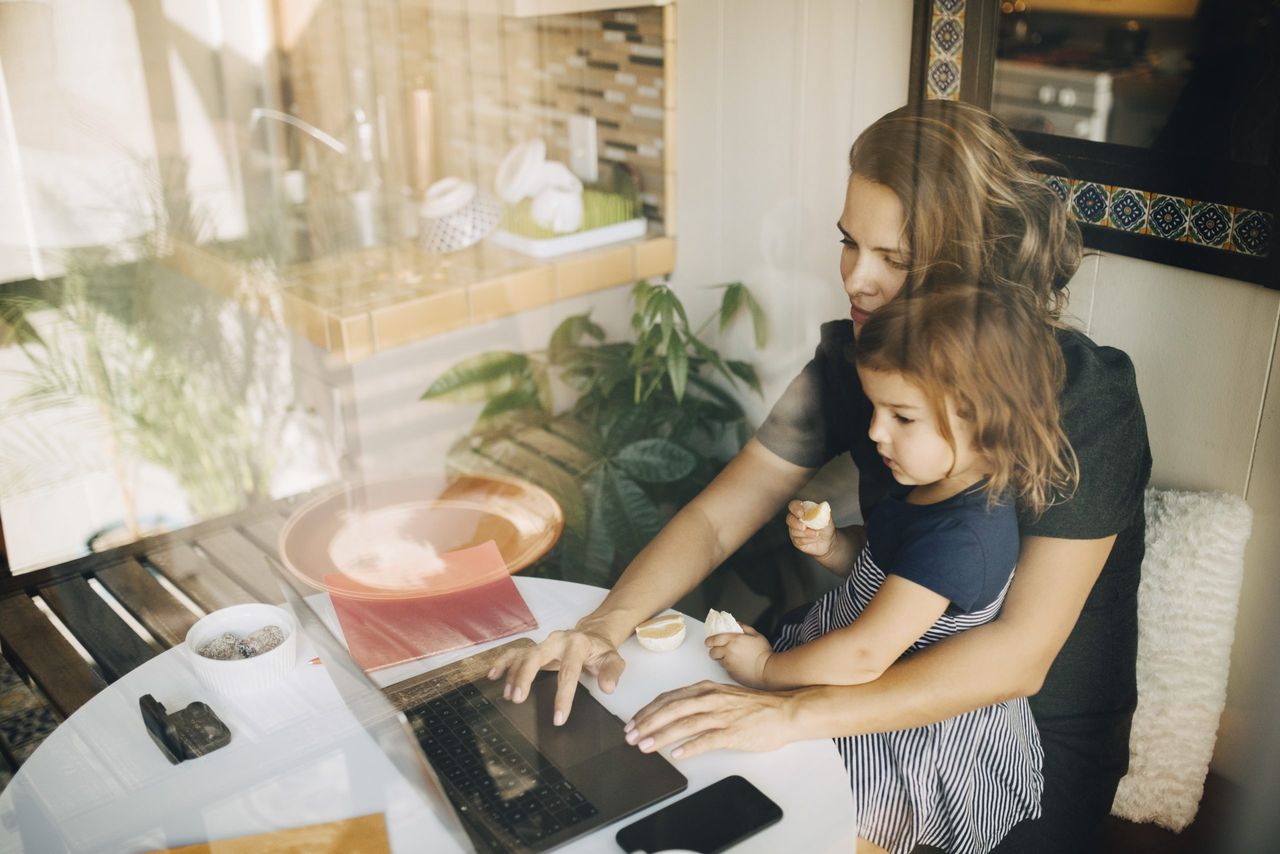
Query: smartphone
x,y
708,821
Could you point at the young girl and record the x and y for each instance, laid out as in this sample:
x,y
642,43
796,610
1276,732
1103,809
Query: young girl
x,y
964,385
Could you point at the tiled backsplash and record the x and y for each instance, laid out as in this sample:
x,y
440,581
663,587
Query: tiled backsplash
x,y
499,80
492,80
451,86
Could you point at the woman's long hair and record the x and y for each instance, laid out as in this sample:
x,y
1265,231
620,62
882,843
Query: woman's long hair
x,y
976,210
995,357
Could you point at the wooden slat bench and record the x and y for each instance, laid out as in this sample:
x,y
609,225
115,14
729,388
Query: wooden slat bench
x,y
212,564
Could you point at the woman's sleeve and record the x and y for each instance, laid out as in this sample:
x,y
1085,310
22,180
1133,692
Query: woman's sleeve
x,y
805,425
1103,419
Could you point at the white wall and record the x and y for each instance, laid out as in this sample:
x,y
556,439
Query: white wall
x,y
770,97
1205,352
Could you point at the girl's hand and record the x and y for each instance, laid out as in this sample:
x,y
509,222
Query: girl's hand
x,y
817,542
743,656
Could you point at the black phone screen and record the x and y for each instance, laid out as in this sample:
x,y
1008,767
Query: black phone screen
x,y
709,820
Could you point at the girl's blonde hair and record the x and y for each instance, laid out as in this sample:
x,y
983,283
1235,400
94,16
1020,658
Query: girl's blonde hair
x,y
976,211
995,357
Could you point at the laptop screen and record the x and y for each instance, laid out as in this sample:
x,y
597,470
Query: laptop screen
x,y
385,725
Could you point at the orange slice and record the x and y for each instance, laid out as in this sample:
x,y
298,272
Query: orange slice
x,y
815,515
661,634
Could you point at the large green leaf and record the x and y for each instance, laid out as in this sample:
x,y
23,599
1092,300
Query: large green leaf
x,y
633,517
569,334
678,370
730,303
480,377
523,397
626,425
736,296
601,532
655,460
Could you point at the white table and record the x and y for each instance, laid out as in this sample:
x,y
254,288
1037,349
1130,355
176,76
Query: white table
x,y
299,757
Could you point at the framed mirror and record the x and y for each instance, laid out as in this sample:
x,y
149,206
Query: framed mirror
x,y
1162,114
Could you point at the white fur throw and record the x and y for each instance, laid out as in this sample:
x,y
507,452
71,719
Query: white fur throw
x,y
1187,604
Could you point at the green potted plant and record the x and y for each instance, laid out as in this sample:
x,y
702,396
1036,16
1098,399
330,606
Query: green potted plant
x,y
654,419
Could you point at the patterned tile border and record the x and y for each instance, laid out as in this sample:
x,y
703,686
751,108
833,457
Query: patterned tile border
x,y
1216,226
946,50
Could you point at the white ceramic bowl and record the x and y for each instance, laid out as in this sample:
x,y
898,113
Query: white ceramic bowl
x,y
243,675
455,215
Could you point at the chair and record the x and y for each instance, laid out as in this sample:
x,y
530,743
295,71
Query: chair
x,y
1187,605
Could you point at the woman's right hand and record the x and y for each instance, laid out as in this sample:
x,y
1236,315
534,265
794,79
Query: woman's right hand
x,y
570,652
816,542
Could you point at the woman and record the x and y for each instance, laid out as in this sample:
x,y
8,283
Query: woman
x,y
940,193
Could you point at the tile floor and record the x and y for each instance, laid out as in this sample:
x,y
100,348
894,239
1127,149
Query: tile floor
x,y
25,720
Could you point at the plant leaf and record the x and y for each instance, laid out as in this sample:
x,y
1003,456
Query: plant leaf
x,y
746,372
655,460
479,377
568,336
758,324
730,303
636,519
541,385
678,370
520,398
713,357
598,555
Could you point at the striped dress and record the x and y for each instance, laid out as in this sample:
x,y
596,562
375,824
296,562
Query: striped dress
x,y
960,784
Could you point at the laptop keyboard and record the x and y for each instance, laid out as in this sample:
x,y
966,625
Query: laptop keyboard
x,y
490,767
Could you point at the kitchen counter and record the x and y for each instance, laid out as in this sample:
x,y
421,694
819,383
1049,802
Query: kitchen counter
x,y
367,301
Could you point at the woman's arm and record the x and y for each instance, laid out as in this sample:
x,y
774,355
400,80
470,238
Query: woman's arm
x,y
745,495
1003,659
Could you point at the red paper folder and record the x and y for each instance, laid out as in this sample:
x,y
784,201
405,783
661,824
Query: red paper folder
x,y
476,601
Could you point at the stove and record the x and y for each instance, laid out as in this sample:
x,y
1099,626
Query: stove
x,y
1065,95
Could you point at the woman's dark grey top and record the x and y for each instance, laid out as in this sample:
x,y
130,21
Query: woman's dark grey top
x,y
824,413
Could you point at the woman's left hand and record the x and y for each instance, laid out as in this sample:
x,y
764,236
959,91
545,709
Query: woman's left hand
x,y
711,716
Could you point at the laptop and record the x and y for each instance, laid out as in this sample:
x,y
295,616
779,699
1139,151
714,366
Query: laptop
x,y
499,775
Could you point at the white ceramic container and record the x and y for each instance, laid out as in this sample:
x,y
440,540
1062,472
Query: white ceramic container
x,y
243,675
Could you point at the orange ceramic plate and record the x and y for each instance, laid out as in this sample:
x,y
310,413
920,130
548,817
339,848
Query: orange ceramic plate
x,y
384,538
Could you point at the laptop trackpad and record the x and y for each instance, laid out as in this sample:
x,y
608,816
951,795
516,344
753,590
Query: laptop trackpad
x,y
589,732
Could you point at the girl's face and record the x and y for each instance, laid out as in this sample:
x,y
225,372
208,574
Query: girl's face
x,y
874,258
905,430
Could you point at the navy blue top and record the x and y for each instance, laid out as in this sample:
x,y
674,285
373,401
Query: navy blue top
x,y
957,547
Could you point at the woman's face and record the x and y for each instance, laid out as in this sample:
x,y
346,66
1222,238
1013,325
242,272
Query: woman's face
x,y
874,258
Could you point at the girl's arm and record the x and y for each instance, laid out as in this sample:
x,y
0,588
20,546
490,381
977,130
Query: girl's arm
x,y
745,495
1006,658
860,652
893,620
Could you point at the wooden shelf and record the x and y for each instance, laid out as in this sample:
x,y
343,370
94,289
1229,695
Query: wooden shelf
x,y
534,8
